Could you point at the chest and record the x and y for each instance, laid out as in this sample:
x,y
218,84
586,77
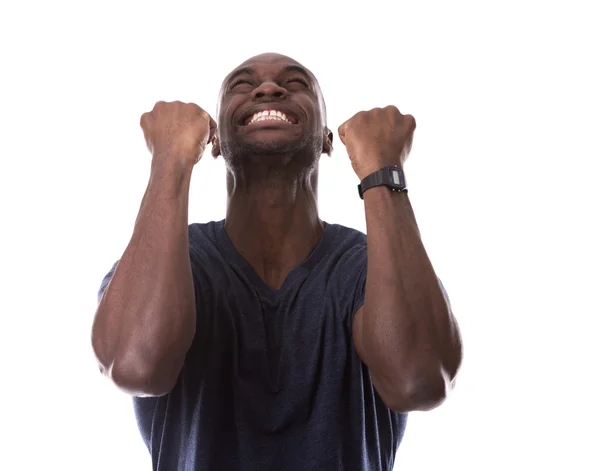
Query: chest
x,y
290,338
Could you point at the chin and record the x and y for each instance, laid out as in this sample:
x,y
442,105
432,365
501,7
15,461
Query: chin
x,y
279,150
273,146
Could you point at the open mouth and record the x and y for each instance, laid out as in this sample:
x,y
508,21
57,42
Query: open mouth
x,y
270,115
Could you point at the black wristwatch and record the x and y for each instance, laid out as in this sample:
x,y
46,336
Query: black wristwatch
x,y
392,177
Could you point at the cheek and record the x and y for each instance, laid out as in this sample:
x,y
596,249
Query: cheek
x,y
316,112
227,115
224,119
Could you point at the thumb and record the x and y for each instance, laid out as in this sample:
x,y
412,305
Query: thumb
x,y
212,130
342,132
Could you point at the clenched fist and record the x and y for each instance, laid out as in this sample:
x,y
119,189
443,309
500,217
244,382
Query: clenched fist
x,y
377,138
177,131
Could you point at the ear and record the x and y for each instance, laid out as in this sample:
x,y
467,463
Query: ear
x,y
327,141
216,146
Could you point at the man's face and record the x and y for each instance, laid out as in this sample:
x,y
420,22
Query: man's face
x,y
271,105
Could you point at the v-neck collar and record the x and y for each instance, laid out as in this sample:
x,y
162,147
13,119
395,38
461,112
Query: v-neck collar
x,y
234,257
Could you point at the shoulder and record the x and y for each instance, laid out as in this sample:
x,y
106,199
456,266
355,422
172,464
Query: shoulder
x,y
205,240
214,260
346,255
203,233
342,270
346,237
346,242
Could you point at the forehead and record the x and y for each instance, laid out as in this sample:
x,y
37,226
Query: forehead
x,y
266,64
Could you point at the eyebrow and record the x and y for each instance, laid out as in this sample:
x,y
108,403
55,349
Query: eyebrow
x,y
287,69
242,71
297,68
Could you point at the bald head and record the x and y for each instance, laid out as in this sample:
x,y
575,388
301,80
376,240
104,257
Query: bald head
x,y
272,105
273,60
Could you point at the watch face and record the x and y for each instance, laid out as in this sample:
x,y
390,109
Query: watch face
x,y
396,177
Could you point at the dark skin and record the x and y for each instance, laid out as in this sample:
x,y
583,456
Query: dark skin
x,y
272,216
405,332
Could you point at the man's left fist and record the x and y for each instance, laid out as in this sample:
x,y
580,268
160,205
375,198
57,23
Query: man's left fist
x,y
377,138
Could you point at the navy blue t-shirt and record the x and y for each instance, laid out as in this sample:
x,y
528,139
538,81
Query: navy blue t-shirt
x,y
272,380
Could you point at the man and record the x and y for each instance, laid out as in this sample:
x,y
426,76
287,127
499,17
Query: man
x,y
266,341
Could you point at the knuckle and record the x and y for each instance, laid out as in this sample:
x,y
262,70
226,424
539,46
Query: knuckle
x,y
393,110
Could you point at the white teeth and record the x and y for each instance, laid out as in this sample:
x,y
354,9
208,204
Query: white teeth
x,y
269,114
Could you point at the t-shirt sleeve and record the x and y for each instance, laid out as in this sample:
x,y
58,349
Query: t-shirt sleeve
x,y
360,286
357,271
106,280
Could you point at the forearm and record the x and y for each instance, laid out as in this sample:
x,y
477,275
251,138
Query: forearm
x,y
409,334
145,321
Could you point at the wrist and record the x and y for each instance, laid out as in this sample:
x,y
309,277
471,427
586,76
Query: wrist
x,y
172,177
391,177
168,164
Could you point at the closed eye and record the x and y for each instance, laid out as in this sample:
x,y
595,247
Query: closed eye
x,y
299,80
239,82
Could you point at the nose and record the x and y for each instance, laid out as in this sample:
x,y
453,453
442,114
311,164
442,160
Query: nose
x,y
269,89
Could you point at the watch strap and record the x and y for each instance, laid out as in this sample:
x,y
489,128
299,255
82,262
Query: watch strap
x,y
392,177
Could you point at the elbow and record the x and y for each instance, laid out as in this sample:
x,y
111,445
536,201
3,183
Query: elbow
x,y
102,351
140,367
134,374
142,379
422,393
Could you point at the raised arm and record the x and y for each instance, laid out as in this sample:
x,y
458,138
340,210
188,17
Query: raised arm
x,y
146,318
405,332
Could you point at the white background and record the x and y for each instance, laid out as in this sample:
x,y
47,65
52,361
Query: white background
x,y
502,178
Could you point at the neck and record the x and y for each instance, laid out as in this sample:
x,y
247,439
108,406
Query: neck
x,y
272,219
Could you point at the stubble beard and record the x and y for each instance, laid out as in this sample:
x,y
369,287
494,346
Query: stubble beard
x,y
305,152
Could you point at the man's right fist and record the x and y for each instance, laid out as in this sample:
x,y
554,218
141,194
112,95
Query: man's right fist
x,y
177,131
